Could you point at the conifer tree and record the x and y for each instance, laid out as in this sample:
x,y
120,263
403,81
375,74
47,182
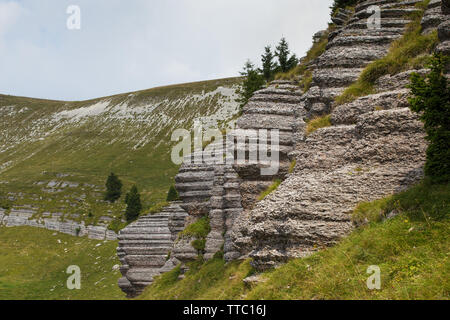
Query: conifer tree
x,y
113,188
134,205
285,60
172,195
268,65
431,100
253,82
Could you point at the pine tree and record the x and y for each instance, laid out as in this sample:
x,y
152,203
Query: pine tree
x,y
172,195
253,82
113,188
431,100
268,65
134,205
283,53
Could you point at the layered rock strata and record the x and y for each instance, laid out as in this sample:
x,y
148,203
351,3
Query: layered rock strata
x,y
145,245
24,217
375,147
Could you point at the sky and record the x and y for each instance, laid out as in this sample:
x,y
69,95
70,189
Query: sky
x,y
124,46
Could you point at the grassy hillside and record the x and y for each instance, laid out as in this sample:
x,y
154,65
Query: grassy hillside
x,y
412,251
33,264
55,156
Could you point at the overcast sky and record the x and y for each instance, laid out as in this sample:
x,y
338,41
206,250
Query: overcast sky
x,y
131,45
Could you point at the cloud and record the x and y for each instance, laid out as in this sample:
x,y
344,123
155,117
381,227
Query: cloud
x,y
132,45
9,14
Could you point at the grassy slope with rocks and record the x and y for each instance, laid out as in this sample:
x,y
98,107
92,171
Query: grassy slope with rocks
x,y
33,264
55,156
412,250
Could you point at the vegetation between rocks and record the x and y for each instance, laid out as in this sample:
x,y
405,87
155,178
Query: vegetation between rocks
x,y
408,52
411,250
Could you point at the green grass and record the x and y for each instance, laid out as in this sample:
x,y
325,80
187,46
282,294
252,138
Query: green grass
x,y
412,251
199,229
408,52
33,266
90,150
317,123
274,186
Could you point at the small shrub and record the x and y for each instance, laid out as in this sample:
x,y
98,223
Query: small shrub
x,y
199,229
317,123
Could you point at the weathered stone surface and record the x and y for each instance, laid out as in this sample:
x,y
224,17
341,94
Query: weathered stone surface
x,y
433,16
145,245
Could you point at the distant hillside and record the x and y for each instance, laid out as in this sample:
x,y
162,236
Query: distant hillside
x,y
55,156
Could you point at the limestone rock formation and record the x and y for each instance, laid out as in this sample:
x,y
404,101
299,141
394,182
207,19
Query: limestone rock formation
x,y
145,245
24,217
375,147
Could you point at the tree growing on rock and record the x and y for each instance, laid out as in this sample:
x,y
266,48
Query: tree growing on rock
x,y
134,205
342,4
268,65
286,61
172,195
253,81
113,188
431,99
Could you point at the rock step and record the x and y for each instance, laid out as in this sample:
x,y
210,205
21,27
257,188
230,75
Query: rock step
x,y
195,186
349,113
335,77
261,121
391,13
387,25
354,41
276,98
293,91
284,138
282,109
366,4
350,57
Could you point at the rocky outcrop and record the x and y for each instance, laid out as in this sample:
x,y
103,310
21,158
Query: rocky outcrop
x,y
350,49
433,16
375,147
367,154
444,30
18,217
145,247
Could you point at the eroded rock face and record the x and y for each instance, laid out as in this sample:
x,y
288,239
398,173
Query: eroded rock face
x,y
18,217
433,16
145,246
375,147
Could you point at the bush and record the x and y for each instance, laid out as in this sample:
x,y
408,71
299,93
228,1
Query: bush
x,y
199,229
431,99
